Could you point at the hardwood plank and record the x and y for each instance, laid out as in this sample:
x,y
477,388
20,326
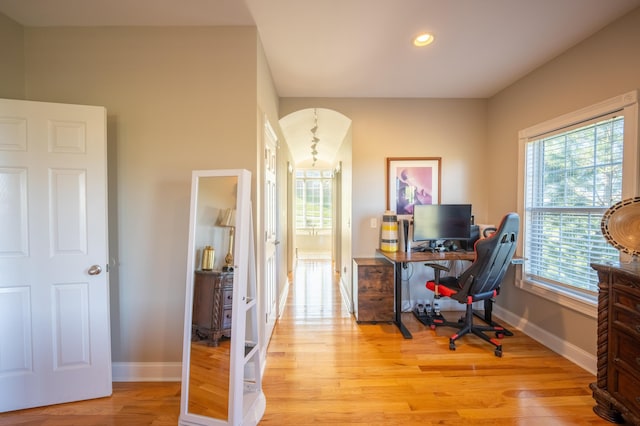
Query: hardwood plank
x,y
324,368
131,404
335,371
209,379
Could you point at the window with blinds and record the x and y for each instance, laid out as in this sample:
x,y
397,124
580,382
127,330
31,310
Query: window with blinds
x,y
572,177
571,169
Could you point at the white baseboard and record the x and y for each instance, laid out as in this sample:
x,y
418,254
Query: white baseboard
x,y
571,352
284,294
146,371
346,297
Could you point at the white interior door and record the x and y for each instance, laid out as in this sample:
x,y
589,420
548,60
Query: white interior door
x,y
271,229
54,298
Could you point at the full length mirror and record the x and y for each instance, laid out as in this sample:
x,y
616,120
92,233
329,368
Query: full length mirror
x,y
218,303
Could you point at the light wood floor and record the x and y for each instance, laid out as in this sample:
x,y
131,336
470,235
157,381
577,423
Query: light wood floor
x,y
209,379
324,368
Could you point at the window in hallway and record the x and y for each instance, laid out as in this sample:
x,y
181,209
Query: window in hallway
x,y
313,212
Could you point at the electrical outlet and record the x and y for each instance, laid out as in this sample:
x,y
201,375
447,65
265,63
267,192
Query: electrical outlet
x,y
374,222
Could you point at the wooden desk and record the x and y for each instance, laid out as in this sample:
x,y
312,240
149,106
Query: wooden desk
x,y
399,258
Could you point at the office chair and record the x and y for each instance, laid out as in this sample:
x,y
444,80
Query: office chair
x,y
481,281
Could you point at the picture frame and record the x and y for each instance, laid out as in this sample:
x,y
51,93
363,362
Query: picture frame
x,y
411,181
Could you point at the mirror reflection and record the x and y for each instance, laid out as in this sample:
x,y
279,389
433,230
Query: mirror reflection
x,y
213,280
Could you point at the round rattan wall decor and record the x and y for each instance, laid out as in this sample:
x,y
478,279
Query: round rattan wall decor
x,y
621,225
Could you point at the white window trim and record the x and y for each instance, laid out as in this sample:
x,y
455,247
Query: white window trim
x,y
627,104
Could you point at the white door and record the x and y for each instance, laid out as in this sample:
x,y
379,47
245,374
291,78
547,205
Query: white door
x,y
54,298
271,230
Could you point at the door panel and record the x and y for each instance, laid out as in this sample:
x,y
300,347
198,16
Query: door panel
x,y
68,211
13,223
54,311
271,229
71,326
15,352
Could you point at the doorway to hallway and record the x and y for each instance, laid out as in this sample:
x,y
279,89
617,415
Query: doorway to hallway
x,y
320,140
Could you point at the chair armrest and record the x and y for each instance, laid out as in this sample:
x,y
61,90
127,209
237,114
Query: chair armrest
x,y
437,267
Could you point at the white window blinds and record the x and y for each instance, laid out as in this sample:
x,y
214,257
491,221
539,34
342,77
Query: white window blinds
x,y
572,177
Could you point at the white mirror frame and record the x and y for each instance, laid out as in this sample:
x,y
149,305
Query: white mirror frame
x,y
246,399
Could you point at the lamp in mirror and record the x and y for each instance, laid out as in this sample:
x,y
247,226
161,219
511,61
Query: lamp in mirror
x,y
229,220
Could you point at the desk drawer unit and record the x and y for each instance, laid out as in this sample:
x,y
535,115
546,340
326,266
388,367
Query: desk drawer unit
x,y
373,282
212,305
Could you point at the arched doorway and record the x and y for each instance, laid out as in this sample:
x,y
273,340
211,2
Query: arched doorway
x,y
319,140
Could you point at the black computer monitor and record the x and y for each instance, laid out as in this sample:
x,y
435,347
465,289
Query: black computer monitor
x,y
432,222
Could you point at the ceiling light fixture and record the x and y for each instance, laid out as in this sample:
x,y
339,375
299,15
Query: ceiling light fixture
x,y
314,139
423,39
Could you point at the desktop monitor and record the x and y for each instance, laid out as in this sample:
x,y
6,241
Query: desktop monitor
x,y
433,222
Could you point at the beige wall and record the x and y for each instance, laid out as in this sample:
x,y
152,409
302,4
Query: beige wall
x,y
12,53
177,99
603,66
453,129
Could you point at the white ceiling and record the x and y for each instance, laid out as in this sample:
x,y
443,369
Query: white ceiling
x,y
362,48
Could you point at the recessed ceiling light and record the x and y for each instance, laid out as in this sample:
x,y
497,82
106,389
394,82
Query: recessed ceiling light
x,y
423,39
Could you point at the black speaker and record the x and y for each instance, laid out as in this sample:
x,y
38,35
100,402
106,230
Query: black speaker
x,y
467,245
403,235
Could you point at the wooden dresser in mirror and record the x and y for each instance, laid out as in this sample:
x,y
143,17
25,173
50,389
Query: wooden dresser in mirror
x,y
212,306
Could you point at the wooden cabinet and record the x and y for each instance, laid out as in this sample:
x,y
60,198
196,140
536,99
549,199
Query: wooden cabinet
x,y
617,389
373,284
212,302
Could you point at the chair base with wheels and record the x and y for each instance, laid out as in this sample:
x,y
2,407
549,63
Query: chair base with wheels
x,y
487,316
465,325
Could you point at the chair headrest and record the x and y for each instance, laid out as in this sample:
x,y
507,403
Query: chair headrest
x,y
510,223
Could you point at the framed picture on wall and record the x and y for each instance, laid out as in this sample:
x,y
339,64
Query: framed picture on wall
x,y
412,181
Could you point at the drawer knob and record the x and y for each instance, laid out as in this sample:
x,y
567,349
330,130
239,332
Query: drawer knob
x,y
638,328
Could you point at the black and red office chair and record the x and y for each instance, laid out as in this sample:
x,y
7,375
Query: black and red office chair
x,y
481,281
